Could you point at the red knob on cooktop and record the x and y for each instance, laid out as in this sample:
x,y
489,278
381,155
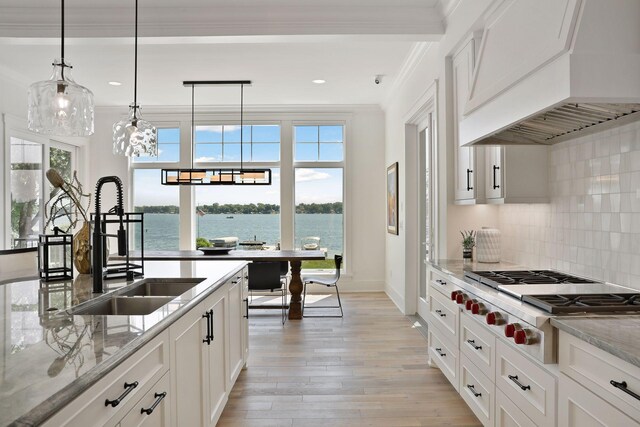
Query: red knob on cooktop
x,y
509,330
454,294
469,304
460,298
476,308
494,318
520,337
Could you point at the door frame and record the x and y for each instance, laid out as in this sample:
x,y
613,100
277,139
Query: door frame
x,y
425,111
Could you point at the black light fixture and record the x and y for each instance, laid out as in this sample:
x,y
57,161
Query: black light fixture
x,y
216,176
55,256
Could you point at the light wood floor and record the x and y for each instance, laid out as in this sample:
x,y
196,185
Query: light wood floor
x,y
368,369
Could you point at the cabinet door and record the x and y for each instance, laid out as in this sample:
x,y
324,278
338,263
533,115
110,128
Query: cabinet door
x,y
494,173
216,372
145,414
463,156
236,338
188,364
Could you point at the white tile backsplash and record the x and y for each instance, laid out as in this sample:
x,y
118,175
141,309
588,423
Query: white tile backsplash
x,y
592,225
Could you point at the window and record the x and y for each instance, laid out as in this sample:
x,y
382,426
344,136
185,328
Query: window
x,y
221,143
245,212
319,143
319,215
168,147
160,205
26,179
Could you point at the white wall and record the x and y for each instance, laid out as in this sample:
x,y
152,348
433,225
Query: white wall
x,y
592,225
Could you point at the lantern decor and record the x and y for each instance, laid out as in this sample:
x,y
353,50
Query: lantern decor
x,y
55,256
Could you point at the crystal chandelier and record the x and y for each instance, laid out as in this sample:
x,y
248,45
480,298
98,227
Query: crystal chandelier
x,y
59,106
134,136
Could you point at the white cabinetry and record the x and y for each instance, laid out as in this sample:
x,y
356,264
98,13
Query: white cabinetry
x,y
516,174
153,409
588,392
238,326
465,158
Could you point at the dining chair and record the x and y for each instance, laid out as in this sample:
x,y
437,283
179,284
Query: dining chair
x,y
330,281
266,277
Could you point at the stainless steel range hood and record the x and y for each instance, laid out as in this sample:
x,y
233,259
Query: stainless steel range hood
x,y
543,84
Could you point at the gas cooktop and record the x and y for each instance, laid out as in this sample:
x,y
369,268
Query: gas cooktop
x,y
523,277
593,303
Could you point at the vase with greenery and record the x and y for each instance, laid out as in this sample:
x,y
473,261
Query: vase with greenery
x,y
67,206
468,242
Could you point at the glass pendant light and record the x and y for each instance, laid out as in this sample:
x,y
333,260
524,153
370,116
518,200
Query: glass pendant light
x,y
134,136
59,106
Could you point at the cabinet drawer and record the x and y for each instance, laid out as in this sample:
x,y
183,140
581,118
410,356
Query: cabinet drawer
x,y
145,367
508,414
445,314
530,387
578,407
444,355
441,283
595,369
477,390
160,415
478,344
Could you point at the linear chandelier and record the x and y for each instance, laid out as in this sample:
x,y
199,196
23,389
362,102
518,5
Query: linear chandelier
x,y
216,176
60,106
133,136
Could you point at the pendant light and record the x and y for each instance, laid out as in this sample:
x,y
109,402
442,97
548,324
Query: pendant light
x,y
216,176
133,136
59,106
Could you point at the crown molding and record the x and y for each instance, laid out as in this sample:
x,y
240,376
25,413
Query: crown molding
x,y
408,67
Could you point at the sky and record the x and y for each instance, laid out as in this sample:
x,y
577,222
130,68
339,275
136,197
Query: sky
x,y
260,143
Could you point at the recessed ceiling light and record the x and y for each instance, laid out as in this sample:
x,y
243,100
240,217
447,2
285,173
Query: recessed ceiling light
x,y
114,83
318,81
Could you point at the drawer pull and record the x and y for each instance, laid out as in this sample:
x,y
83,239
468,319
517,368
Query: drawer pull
x,y
159,397
472,343
128,387
246,300
623,386
473,390
514,378
209,337
441,282
440,353
441,313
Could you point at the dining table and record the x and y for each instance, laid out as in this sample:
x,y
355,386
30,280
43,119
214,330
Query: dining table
x,y
293,257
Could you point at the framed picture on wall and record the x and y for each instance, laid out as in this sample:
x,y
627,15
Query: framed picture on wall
x,y
392,199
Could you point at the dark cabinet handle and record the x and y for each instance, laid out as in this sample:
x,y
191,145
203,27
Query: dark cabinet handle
x,y
246,307
472,343
208,337
441,313
469,172
441,282
159,397
211,323
473,390
514,378
440,353
495,168
128,387
623,386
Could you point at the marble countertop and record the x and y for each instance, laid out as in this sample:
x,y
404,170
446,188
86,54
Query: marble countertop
x,y
618,335
49,356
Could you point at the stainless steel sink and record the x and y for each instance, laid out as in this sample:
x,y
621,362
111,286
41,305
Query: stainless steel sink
x,y
160,287
123,306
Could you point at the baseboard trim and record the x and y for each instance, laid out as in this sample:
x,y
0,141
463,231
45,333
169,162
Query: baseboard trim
x,y
394,296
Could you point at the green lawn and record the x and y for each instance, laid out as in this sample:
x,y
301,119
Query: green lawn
x,y
328,264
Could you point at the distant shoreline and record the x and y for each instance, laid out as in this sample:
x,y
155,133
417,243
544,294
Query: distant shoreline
x,y
246,209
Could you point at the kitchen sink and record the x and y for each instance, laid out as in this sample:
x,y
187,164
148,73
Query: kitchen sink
x,y
160,287
123,306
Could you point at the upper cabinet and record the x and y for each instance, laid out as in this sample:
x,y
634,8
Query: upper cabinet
x,y
465,158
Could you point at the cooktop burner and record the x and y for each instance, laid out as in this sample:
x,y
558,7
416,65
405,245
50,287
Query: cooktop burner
x,y
557,304
523,277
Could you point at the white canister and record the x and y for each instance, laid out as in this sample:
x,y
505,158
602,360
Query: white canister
x,y
488,245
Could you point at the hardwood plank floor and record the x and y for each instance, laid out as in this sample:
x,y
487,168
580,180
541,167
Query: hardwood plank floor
x,y
367,369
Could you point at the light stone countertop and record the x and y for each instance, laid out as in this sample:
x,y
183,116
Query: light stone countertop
x,y
33,383
615,334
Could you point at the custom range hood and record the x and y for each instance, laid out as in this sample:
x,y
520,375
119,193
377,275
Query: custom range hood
x,y
550,70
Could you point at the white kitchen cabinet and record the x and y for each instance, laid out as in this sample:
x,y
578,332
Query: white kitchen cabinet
x,y
238,326
198,365
467,177
153,409
516,174
578,407
508,414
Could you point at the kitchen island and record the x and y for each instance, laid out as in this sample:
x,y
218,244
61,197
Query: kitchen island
x,y
51,357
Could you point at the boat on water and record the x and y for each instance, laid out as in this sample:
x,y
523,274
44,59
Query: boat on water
x,y
230,217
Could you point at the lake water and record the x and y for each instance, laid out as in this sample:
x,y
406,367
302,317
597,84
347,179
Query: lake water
x,y
162,230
